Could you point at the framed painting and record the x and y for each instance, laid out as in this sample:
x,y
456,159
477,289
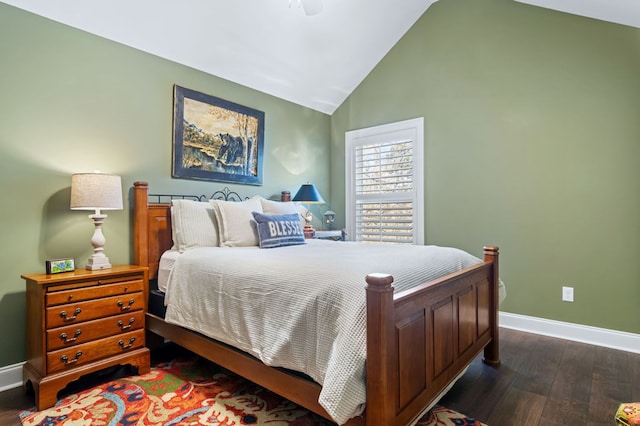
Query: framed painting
x,y
215,139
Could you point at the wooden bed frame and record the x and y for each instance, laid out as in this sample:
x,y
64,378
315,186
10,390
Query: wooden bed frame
x,y
418,341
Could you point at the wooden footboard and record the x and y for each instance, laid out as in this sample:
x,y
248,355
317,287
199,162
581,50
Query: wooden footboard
x,y
418,341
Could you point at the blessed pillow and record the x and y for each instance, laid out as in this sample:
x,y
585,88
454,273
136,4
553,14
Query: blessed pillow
x,y
235,222
193,224
279,230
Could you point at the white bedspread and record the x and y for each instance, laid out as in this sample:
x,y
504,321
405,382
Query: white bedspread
x,y
299,307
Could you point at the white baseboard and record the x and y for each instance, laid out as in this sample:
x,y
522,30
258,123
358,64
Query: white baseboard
x,y
11,376
580,333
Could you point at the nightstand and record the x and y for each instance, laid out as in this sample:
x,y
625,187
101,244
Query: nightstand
x,y
83,321
335,235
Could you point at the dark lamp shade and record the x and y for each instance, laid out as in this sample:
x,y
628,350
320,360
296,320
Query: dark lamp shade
x,y
308,194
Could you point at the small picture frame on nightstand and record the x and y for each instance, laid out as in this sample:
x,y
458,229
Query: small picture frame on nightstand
x,y
55,266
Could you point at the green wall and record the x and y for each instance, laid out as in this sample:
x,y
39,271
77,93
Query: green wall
x,y
531,129
73,102
532,143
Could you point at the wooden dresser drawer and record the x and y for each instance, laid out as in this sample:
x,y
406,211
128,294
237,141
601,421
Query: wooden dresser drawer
x,y
75,334
84,354
92,290
83,321
72,313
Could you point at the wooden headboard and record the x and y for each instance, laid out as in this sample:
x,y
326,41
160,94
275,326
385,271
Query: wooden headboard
x,y
152,222
151,229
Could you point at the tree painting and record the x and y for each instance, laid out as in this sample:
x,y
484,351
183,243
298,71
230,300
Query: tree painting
x,y
216,139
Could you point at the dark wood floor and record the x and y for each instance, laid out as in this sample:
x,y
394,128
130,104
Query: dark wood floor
x,y
542,381
548,382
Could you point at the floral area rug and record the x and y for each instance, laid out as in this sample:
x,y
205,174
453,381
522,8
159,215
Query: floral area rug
x,y
190,391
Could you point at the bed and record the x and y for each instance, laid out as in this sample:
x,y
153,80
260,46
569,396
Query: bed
x,y
417,341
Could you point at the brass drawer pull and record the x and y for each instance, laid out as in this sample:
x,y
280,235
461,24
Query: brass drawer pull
x,y
64,336
64,316
124,308
127,346
124,327
68,361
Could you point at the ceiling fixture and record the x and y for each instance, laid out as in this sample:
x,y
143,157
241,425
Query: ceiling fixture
x,y
310,7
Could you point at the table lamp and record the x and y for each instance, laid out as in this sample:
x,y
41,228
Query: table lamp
x,y
308,194
96,191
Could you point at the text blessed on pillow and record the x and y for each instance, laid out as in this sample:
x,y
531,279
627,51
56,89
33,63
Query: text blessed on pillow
x,y
278,230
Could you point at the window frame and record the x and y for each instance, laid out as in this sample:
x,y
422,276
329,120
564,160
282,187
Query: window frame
x,y
412,129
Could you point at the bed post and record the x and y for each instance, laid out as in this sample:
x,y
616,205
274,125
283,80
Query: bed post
x,y
141,224
492,350
381,363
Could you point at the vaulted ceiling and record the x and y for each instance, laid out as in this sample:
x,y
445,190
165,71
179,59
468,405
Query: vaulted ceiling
x,y
280,47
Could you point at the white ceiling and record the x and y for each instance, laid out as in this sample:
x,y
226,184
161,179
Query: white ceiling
x,y
271,45
625,12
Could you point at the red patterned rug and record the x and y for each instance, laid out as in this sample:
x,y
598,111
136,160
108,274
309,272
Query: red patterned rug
x,y
190,392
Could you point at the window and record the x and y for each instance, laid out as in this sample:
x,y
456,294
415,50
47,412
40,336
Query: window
x,y
384,183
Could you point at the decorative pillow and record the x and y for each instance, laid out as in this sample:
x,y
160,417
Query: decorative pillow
x,y
628,414
277,207
193,225
279,230
235,222
173,229
284,207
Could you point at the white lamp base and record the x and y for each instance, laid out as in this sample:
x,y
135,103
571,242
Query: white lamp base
x,y
97,262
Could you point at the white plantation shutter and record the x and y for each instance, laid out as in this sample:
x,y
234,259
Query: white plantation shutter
x,y
384,183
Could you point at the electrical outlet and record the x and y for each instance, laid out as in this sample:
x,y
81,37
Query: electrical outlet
x,y
567,294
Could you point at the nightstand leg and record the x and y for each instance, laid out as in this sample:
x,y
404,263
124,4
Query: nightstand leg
x,y
46,389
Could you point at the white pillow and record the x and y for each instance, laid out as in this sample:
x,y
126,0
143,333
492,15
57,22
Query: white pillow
x,y
235,222
193,225
271,207
173,230
276,207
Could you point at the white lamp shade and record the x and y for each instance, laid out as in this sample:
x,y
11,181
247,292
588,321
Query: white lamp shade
x,y
96,191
